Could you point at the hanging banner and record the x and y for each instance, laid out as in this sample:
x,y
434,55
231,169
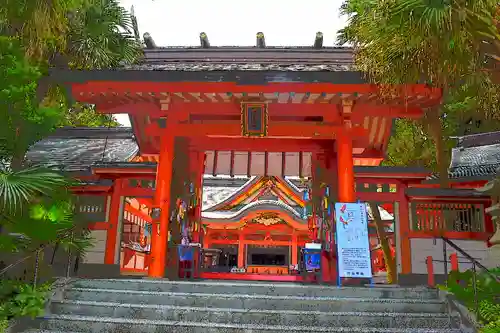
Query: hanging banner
x,y
146,237
353,244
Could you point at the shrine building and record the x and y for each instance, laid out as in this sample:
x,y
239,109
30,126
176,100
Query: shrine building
x,y
224,144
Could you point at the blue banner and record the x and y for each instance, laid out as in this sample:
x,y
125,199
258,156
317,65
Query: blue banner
x,y
312,259
353,244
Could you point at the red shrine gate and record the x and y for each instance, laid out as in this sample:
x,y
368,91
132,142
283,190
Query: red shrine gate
x,y
316,123
259,118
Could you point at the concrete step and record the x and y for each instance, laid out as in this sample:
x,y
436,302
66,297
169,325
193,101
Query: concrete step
x,y
275,289
264,302
252,316
75,323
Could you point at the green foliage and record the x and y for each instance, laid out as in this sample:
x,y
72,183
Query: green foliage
x,y
461,284
101,36
19,113
86,115
19,187
410,146
466,111
491,314
4,324
402,41
19,299
82,34
443,43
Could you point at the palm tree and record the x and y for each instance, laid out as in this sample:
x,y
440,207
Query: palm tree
x,y
34,201
441,43
438,42
101,35
390,262
82,34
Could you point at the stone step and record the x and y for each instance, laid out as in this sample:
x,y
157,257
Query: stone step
x,y
75,323
251,316
275,289
264,302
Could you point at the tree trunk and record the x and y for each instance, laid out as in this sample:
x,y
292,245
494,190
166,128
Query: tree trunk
x,y
390,263
435,129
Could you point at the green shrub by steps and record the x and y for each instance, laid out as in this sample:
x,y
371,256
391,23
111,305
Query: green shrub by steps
x,y
4,324
19,300
485,301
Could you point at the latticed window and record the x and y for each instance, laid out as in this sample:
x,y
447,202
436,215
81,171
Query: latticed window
x,y
376,188
458,217
91,208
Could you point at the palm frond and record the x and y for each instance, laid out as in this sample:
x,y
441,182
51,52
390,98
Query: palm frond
x,y
18,188
403,41
101,36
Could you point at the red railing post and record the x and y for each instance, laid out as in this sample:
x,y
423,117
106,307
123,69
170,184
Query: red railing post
x,y
430,271
454,262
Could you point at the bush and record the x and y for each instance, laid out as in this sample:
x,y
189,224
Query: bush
x,y
19,299
487,308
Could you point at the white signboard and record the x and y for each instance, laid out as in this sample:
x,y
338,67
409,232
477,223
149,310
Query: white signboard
x,y
353,244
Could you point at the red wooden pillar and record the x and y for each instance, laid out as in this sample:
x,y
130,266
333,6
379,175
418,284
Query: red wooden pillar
x,y
345,165
159,239
197,167
454,262
430,271
114,219
241,250
320,162
331,161
404,230
295,259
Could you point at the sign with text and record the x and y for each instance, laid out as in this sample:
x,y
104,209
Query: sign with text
x,y
353,244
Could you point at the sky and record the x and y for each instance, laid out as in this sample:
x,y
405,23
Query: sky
x,y
235,23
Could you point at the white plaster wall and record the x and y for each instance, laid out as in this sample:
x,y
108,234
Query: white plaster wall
x,y
96,254
493,257
421,248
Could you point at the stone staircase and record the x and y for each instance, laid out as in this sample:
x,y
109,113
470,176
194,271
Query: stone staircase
x,y
153,306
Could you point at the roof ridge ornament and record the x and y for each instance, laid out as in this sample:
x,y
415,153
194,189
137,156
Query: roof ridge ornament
x,y
148,40
318,41
204,43
261,40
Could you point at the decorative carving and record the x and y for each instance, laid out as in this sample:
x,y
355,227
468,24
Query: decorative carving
x,y
267,219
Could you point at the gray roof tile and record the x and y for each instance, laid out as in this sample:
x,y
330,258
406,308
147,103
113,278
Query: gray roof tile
x,y
244,58
208,67
475,156
74,149
478,155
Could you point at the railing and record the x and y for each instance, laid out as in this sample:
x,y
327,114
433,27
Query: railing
x,y
475,262
451,217
454,261
36,255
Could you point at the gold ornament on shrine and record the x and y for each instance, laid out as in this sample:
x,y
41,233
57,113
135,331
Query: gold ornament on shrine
x,y
267,219
254,119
